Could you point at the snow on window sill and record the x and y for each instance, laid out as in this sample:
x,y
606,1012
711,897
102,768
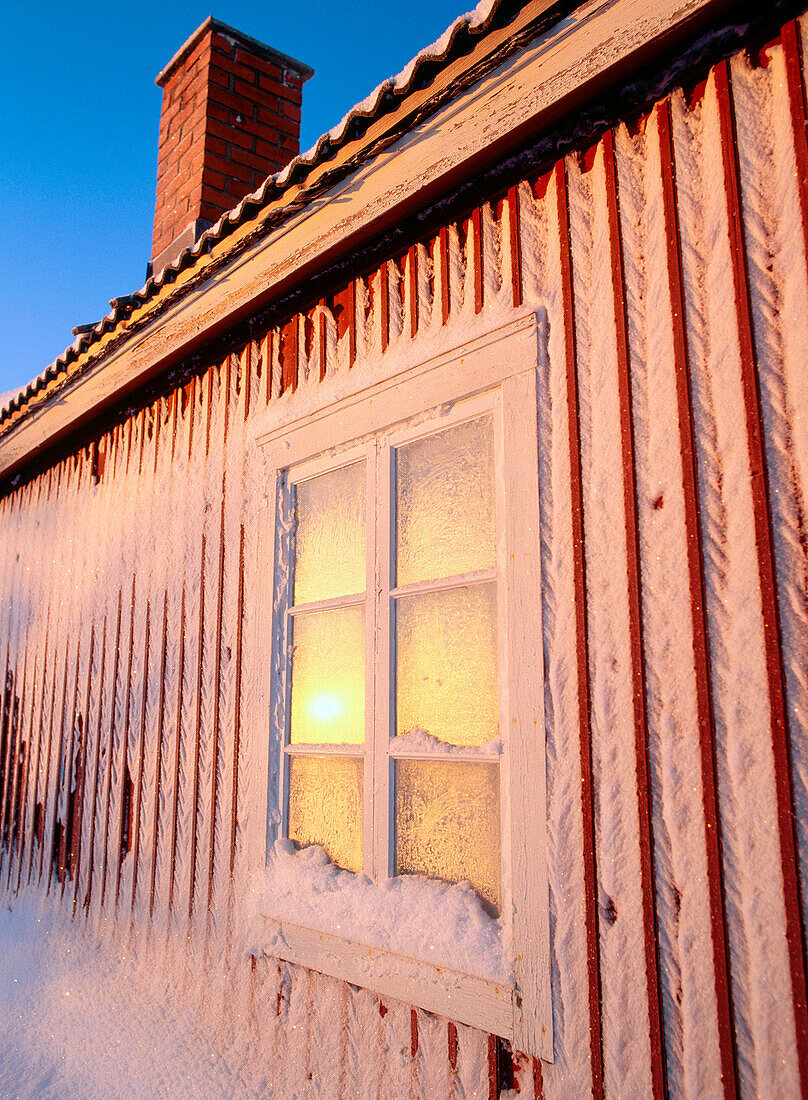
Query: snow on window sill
x,y
417,742
410,915
421,941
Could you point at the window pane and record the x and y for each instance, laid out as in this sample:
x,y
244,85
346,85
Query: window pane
x,y
447,823
328,676
445,503
330,535
446,664
325,806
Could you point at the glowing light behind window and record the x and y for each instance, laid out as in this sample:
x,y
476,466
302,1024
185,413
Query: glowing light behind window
x,y
325,806
328,677
325,708
447,824
330,535
446,664
445,503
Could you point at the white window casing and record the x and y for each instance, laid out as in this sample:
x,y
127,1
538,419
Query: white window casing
x,y
494,375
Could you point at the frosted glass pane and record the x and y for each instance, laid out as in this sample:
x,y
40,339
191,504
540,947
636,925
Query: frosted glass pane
x,y
445,503
328,676
447,823
325,806
330,535
446,664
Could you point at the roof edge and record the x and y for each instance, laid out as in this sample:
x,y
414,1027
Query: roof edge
x,y
371,122
260,48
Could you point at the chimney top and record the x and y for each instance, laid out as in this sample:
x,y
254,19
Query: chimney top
x,y
258,49
230,118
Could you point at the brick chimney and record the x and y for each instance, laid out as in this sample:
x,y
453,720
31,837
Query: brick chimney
x,y
231,117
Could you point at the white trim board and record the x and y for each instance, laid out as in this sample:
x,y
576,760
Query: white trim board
x,y
285,435
464,998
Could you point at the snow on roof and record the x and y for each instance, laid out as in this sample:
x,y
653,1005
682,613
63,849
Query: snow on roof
x,y
8,397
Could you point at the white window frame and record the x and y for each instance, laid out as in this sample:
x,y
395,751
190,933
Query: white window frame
x,y
495,372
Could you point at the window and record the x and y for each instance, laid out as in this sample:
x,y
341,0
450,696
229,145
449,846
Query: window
x,y
407,687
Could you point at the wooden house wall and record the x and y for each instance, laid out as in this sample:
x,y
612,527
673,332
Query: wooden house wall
x,y
670,260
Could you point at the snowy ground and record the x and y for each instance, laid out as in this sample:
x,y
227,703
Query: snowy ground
x,y
82,1022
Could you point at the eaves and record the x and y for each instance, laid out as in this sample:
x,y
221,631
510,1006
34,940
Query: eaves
x,y
516,80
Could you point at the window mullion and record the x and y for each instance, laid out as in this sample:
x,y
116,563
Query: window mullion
x,y
283,673
370,670
385,518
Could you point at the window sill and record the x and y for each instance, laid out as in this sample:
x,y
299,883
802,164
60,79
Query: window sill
x,y
463,998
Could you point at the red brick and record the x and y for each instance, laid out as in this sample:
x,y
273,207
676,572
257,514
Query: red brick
x,y
212,213
261,164
196,59
208,160
267,84
237,189
181,185
185,82
212,194
256,94
290,110
166,170
262,133
219,76
186,123
192,104
229,167
286,125
178,152
240,72
216,179
221,114
196,163
230,134
182,172
242,104
269,115
218,42
266,67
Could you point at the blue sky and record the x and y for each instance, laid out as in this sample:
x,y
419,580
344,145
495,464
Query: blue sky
x,y
79,153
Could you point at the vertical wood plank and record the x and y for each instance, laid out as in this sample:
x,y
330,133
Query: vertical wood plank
x,y
382,314
795,933
644,801
95,799
581,630
476,238
522,695
289,355
159,761
137,796
515,239
121,800
796,99
197,728
237,721
412,289
695,558
176,761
